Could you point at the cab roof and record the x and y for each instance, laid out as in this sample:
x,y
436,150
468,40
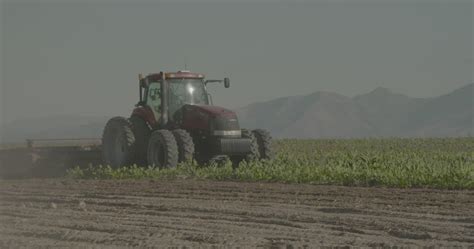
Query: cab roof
x,y
175,75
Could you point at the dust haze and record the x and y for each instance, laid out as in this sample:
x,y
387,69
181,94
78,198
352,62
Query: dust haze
x,y
82,58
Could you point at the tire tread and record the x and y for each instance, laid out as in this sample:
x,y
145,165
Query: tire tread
x,y
185,145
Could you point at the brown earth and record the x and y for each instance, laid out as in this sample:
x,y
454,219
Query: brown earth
x,y
113,214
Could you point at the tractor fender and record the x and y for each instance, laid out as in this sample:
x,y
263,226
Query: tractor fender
x,y
145,113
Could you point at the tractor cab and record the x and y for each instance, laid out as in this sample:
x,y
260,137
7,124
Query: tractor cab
x,y
166,93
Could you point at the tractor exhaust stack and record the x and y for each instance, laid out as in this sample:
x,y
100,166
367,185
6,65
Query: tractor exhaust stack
x,y
164,100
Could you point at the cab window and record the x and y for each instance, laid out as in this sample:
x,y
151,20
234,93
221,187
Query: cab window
x,y
154,98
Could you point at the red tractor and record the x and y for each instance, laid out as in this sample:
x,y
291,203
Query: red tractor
x,y
175,121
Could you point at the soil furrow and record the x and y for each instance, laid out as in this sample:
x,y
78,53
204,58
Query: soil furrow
x,y
71,213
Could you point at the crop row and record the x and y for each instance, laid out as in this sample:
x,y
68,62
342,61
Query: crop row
x,y
406,163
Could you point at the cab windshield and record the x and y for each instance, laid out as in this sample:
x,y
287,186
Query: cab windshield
x,y
186,91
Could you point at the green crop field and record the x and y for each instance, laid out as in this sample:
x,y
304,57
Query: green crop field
x,y
405,163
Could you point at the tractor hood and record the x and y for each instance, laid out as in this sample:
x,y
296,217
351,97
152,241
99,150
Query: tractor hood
x,y
206,117
216,111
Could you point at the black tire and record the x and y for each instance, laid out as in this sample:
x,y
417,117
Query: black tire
x,y
162,149
185,145
118,143
254,154
142,132
264,141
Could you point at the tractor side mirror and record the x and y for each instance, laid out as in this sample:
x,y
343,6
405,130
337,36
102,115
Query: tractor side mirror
x,y
226,82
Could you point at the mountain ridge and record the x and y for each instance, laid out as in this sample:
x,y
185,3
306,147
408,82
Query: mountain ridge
x,y
379,113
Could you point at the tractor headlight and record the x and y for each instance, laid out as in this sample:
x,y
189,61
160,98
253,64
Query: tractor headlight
x,y
227,133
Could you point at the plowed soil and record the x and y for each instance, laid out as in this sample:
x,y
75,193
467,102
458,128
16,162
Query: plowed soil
x,y
114,214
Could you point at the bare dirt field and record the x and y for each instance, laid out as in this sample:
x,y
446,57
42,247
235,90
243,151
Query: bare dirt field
x,y
113,214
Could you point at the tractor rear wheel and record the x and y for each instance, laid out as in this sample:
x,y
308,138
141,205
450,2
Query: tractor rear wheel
x,y
162,149
185,145
264,141
118,143
253,154
142,134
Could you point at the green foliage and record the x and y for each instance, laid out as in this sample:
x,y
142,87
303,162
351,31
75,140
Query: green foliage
x,y
405,163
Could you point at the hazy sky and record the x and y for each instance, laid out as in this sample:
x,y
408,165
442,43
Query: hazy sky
x,y
84,57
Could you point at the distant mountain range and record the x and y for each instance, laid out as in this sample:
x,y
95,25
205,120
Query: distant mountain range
x,y
380,113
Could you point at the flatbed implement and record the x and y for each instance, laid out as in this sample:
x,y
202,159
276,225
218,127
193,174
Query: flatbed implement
x,y
48,157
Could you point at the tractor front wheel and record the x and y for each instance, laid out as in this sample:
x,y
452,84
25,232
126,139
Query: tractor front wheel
x,y
118,143
162,149
264,141
254,153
